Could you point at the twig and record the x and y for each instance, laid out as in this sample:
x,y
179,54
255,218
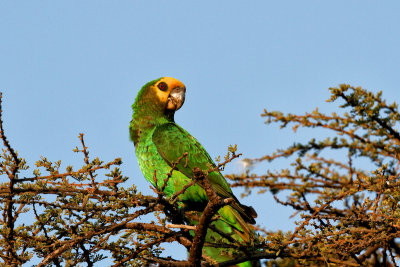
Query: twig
x,y
181,226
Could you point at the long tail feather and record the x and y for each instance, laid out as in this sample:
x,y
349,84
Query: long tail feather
x,y
230,228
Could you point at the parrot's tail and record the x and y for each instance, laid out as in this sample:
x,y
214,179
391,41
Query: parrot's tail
x,y
231,229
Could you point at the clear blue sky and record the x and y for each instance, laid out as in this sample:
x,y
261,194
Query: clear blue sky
x,y
75,66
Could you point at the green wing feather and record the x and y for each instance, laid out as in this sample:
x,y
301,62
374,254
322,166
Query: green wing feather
x,y
172,141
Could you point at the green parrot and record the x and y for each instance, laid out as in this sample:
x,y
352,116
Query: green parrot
x,y
159,142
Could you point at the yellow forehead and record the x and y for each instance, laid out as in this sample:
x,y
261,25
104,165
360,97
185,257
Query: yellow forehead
x,y
171,82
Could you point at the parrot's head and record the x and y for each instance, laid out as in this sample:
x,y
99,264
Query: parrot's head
x,y
170,92
160,97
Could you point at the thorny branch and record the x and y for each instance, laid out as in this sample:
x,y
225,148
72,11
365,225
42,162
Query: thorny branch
x,y
214,204
352,219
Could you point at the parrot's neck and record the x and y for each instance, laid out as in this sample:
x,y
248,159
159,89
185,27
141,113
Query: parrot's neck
x,y
144,120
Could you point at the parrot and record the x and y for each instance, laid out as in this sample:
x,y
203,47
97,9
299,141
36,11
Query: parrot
x,y
159,142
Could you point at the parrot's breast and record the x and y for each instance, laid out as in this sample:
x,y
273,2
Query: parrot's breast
x,y
151,162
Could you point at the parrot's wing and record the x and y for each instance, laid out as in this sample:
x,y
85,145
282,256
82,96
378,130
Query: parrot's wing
x,y
172,142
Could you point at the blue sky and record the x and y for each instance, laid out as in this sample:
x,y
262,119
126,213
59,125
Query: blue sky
x,y
75,66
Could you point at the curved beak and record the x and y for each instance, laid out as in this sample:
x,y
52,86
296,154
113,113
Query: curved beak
x,y
176,98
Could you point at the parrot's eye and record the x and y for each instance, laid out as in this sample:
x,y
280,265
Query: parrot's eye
x,y
163,86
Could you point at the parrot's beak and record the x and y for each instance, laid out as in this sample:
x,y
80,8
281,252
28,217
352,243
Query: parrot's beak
x,y
176,98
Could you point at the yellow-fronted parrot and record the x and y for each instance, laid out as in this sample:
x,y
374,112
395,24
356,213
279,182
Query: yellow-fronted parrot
x,y
159,142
